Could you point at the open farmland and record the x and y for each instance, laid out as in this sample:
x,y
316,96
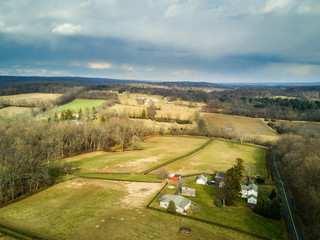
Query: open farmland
x,y
29,98
177,109
250,128
13,111
155,150
77,104
100,209
220,155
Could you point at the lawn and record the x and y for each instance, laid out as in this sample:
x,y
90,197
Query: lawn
x,y
29,98
220,155
13,111
77,104
250,128
101,209
155,150
240,217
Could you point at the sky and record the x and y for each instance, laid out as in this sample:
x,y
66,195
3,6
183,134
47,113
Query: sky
x,y
166,40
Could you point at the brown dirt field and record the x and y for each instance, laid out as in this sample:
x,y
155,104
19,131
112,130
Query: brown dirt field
x,y
30,97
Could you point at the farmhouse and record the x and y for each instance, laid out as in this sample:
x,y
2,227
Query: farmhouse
x,y
219,177
250,192
182,204
174,177
201,179
188,192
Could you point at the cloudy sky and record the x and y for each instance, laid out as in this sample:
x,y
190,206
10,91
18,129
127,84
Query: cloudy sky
x,y
191,40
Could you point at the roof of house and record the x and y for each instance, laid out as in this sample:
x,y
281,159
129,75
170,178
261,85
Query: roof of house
x,y
202,177
179,201
219,175
253,186
249,187
252,196
173,175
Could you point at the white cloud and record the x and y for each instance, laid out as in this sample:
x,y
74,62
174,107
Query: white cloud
x,y
66,29
127,67
100,65
277,5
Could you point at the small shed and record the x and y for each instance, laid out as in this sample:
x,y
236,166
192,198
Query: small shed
x,y
201,179
185,231
188,192
174,177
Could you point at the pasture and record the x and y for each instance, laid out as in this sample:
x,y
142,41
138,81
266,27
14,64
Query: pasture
x,y
177,109
77,104
250,128
29,98
100,209
220,155
240,216
13,111
155,150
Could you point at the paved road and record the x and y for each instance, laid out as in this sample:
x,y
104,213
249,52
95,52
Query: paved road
x,y
292,220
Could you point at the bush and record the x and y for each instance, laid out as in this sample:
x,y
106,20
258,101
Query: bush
x,y
218,203
260,180
171,207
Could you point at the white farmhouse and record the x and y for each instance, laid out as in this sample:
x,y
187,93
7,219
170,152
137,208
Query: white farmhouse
x,y
182,203
201,179
250,192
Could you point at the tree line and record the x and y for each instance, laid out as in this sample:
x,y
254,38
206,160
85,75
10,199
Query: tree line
x,y
299,161
27,148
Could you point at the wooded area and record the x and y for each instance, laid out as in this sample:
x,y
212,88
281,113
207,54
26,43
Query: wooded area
x,y
299,160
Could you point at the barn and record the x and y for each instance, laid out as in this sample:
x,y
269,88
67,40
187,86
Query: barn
x,y
174,177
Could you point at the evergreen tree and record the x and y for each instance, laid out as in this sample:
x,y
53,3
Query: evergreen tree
x,y
68,115
172,207
62,117
276,208
143,114
273,194
80,114
102,119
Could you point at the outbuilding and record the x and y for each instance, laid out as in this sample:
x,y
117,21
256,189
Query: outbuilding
x,y
174,177
182,203
201,179
219,177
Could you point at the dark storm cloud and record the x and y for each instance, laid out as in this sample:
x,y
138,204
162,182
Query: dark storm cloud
x,y
270,40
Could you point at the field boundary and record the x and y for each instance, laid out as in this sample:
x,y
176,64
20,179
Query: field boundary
x,y
21,234
114,179
178,158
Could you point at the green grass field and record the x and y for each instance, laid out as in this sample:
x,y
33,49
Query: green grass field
x,y
250,128
240,217
155,150
77,104
220,155
100,209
